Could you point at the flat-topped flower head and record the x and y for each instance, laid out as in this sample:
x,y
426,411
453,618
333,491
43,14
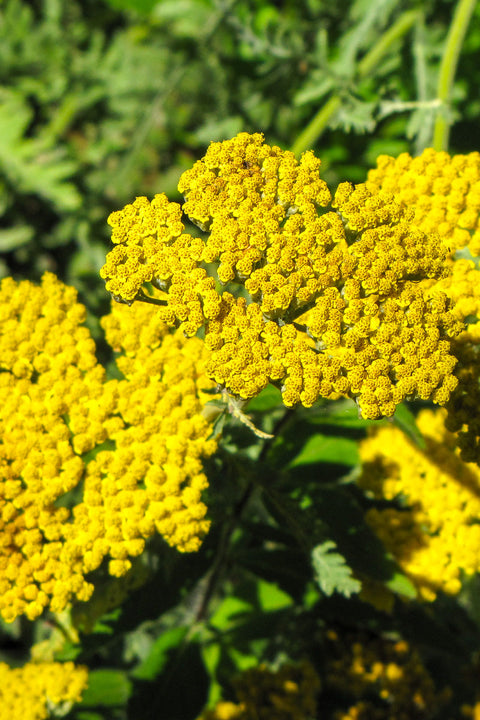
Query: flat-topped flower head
x,y
462,286
38,691
443,191
152,481
50,414
325,297
64,510
433,533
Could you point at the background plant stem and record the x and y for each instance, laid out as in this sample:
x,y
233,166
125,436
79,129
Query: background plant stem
x,y
318,124
448,67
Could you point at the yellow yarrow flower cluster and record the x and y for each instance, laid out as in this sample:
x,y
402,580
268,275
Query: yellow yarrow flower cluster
x,y
326,295
443,190
462,286
464,405
434,535
62,511
49,414
152,480
36,690
390,672
263,694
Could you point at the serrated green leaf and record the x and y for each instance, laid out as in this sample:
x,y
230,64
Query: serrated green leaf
x,y
33,166
331,571
356,116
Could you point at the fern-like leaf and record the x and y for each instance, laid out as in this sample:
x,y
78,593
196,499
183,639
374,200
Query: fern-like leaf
x,y
332,572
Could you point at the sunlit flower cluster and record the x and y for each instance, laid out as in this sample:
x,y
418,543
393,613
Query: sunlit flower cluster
x,y
152,479
462,285
63,509
464,405
327,298
443,190
263,694
433,531
385,680
34,691
49,373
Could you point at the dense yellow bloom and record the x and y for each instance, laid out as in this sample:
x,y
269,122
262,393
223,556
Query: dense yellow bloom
x,y
152,480
443,190
147,432
326,295
49,413
434,535
444,193
35,690
391,672
462,285
464,405
262,694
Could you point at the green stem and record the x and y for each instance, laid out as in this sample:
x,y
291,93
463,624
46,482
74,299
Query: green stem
x,y
448,67
398,30
317,125
222,560
142,297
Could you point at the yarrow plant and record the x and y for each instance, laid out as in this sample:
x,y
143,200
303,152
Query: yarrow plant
x,y
286,295
125,454
239,466
326,293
